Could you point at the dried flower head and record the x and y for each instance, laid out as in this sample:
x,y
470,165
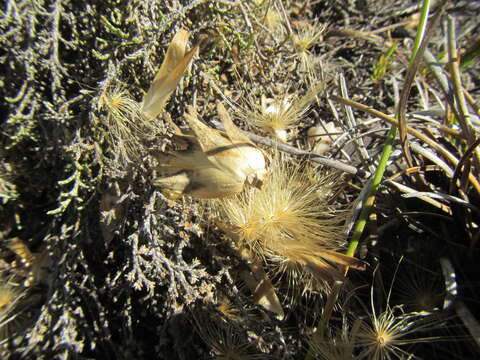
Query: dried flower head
x,y
226,341
388,335
303,40
270,15
274,116
124,123
288,219
278,116
215,164
339,345
419,287
306,37
384,336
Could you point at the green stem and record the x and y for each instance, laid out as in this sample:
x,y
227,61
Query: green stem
x,y
422,27
375,184
387,149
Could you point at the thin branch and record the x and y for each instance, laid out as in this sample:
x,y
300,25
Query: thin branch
x,y
408,190
445,197
295,151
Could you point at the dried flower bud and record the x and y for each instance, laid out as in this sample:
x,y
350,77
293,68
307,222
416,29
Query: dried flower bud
x,y
215,164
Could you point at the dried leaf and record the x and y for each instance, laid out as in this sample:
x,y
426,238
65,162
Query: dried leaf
x,y
233,132
171,71
260,285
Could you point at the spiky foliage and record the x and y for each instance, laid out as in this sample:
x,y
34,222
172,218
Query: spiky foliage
x,y
289,222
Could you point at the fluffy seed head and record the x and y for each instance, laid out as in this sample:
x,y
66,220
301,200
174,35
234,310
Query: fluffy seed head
x,y
303,40
338,346
418,288
226,341
274,116
288,208
289,220
307,36
123,122
386,335
278,116
272,19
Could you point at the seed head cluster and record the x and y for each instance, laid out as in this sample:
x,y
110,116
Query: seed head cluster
x,y
289,221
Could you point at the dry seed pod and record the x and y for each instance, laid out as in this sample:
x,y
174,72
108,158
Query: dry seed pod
x,y
215,164
171,71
